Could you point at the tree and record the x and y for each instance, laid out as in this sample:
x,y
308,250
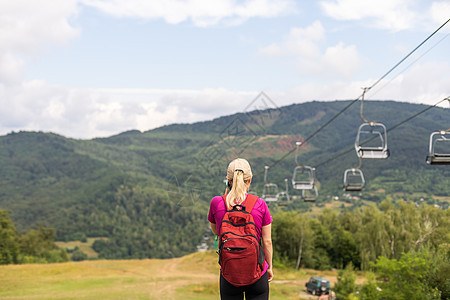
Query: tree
x,y
369,290
9,248
292,236
305,235
320,258
34,242
438,262
343,248
404,278
345,285
78,255
38,246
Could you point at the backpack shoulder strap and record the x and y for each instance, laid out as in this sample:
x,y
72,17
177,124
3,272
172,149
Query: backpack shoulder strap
x,y
224,197
249,202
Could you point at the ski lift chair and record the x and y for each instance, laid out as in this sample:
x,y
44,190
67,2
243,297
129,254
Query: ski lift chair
x,y
310,195
283,197
353,180
270,192
371,131
439,150
303,178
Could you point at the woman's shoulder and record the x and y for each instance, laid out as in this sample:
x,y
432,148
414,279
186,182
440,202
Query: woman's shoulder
x,y
216,200
260,201
260,204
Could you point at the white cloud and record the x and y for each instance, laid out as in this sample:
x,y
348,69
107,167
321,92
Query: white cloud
x,y
305,45
394,15
201,12
12,68
35,105
300,42
426,84
27,27
440,12
89,113
386,14
341,59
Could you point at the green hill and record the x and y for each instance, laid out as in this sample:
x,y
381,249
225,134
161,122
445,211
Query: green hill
x,y
148,192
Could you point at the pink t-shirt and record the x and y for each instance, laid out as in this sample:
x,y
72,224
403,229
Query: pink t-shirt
x,y
260,212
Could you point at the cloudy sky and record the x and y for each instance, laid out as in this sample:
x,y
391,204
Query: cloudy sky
x,y
95,68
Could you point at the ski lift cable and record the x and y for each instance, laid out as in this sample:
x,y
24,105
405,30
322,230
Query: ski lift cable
x,y
413,116
297,147
355,100
409,54
317,131
265,173
360,164
380,79
365,89
388,130
409,66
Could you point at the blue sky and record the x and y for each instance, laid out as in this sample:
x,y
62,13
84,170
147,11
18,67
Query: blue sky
x,y
95,68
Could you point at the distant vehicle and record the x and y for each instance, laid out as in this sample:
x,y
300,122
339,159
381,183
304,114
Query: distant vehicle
x,y
317,285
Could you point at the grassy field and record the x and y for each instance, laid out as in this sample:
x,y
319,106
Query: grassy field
x,y
193,276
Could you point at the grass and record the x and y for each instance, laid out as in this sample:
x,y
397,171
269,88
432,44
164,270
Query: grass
x,y
194,276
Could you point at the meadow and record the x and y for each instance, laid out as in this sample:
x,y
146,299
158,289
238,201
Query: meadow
x,y
194,276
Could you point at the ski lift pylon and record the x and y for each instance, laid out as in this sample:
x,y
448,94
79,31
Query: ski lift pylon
x,y
283,197
439,149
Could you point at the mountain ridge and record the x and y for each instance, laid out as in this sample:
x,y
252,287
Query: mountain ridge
x,y
146,191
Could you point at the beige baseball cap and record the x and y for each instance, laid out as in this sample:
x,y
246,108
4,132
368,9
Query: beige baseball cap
x,y
239,164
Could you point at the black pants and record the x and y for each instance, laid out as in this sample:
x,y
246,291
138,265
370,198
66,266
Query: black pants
x,y
257,291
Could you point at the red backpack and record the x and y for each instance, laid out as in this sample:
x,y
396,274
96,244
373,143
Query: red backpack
x,y
241,256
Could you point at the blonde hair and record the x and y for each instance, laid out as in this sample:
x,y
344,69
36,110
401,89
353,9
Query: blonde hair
x,y
238,189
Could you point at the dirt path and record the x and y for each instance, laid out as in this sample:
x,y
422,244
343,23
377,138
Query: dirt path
x,y
179,273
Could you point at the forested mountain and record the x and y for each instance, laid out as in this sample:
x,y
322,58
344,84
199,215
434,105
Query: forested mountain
x,y
149,192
